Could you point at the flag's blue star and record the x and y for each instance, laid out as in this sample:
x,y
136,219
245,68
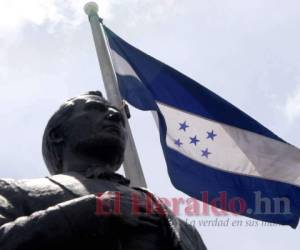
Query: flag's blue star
x,y
211,135
205,153
178,142
194,140
183,126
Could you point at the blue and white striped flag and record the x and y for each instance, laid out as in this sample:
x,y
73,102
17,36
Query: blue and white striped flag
x,y
209,144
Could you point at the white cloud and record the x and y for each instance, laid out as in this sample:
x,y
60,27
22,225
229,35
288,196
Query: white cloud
x,y
292,105
17,13
137,11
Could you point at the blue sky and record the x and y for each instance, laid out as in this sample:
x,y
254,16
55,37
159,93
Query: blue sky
x,y
247,52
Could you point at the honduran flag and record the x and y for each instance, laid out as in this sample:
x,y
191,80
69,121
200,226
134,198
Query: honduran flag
x,y
210,146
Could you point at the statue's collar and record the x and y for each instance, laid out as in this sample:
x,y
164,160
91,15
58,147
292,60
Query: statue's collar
x,y
96,173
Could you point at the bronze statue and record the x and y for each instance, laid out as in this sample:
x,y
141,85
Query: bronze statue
x,y
83,146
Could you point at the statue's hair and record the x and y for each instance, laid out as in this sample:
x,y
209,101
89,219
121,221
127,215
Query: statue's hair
x,y
52,150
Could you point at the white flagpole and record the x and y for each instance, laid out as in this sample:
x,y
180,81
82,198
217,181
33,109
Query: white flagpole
x,y
132,165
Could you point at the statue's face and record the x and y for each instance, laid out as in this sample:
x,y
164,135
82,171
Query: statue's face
x,y
95,132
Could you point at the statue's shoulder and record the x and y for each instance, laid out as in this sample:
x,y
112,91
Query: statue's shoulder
x,y
7,184
37,187
23,197
23,186
35,194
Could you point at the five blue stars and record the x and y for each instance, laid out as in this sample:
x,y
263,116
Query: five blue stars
x,y
183,126
194,140
211,135
178,142
205,153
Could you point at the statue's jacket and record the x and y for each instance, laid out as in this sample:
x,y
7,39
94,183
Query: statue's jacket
x,y
58,212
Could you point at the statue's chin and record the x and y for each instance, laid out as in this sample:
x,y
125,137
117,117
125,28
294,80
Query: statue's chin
x,y
109,150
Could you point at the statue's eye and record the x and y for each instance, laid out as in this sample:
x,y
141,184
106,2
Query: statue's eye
x,y
113,109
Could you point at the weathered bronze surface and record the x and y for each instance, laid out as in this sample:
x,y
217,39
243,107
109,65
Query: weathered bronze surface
x,y
84,204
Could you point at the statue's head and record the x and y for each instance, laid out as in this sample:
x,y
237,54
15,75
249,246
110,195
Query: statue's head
x,y
86,131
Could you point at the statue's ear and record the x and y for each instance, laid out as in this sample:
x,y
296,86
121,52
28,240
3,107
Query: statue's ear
x,y
55,136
